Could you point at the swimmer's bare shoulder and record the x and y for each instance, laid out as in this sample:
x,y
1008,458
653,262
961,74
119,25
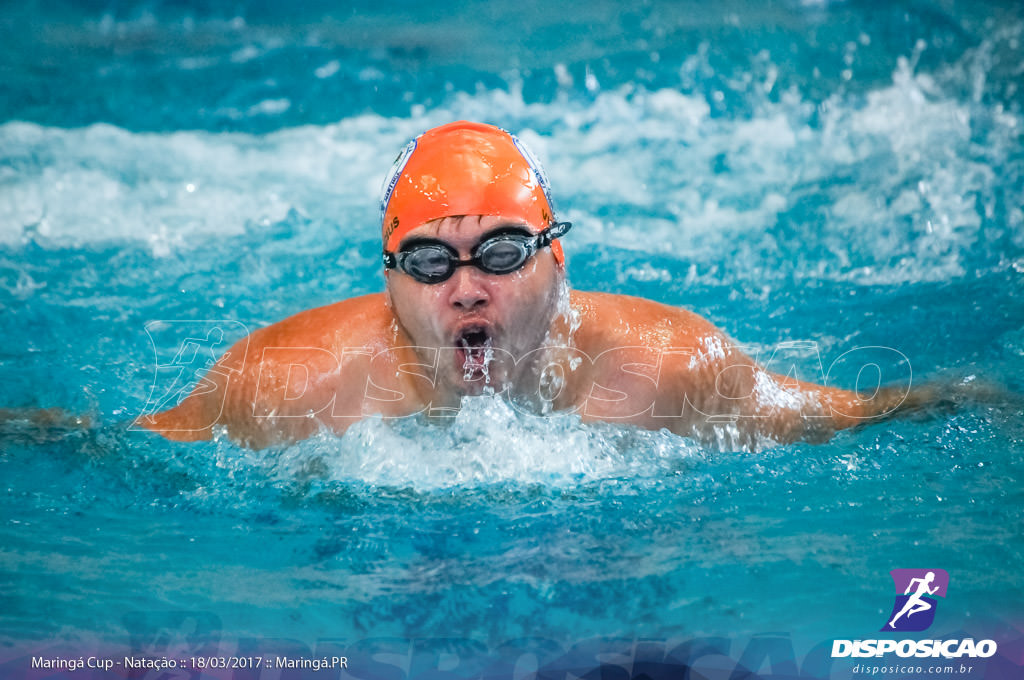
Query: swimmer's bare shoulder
x,y
654,349
276,384
611,319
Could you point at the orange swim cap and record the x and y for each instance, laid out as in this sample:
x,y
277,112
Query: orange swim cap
x,y
464,168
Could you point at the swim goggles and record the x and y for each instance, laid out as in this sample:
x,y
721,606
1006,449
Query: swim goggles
x,y
431,262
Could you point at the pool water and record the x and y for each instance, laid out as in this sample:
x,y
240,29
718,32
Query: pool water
x,y
812,177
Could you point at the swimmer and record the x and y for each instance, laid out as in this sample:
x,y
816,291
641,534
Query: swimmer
x,y
476,302
914,603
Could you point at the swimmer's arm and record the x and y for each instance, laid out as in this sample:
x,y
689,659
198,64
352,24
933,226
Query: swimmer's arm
x,y
843,409
784,409
846,408
40,424
229,397
825,410
720,384
284,382
798,410
192,419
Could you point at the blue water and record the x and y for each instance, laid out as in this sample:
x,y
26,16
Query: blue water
x,y
836,175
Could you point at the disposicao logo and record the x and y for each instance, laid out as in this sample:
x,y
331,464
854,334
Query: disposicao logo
x,y
914,611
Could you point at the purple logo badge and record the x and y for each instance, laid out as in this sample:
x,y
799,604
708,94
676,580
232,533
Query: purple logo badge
x,y
914,609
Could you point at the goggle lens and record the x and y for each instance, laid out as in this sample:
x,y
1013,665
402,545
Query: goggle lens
x,y
504,255
427,264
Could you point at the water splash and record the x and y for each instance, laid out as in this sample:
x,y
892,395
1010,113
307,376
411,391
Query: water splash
x,y
489,441
478,359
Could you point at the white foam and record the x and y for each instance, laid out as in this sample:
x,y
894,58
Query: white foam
x,y
104,183
487,442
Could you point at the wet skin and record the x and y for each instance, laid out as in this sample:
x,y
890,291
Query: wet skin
x,y
420,348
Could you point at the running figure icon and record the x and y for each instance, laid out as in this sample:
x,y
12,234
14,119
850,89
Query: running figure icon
x,y
915,603
916,593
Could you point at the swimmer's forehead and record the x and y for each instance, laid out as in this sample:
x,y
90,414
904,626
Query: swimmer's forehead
x,y
462,228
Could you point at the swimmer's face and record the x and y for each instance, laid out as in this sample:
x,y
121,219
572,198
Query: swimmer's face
x,y
473,311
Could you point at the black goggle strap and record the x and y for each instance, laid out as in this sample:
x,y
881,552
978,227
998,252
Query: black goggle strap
x,y
556,230
543,239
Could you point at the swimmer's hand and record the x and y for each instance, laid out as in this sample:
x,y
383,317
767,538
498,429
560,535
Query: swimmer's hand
x,y
40,425
951,395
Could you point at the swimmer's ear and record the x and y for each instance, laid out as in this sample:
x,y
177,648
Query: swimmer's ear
x,y
556,250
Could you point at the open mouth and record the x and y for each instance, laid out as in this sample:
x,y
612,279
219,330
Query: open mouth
x,y
474,351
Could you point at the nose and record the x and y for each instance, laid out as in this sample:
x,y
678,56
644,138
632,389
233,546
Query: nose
x,y
466,289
